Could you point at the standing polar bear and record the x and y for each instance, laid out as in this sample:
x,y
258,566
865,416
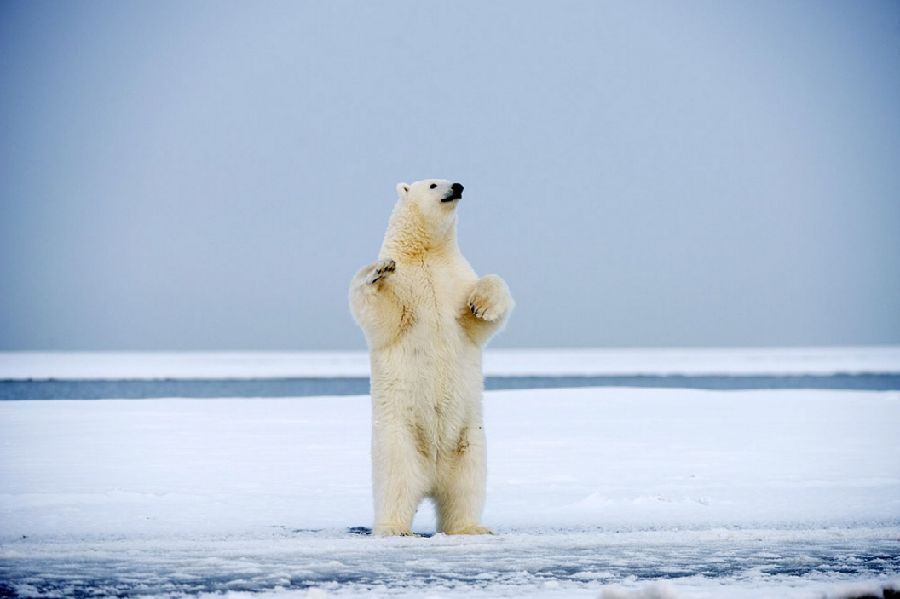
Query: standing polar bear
x,y
426,316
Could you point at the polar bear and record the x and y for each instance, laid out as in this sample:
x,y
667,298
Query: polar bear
x,y
426,315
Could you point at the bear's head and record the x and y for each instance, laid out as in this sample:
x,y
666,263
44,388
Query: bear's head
x,y
437,197
425,216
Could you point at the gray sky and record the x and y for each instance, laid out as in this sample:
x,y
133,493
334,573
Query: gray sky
x,y
210,175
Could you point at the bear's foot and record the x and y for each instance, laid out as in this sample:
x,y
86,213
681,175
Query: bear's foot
x,y
470,530
380,270
387,530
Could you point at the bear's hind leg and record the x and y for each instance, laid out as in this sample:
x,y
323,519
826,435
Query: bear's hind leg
x,y
459,495
399,481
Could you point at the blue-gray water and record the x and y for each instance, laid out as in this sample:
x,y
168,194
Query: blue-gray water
x,y
304,387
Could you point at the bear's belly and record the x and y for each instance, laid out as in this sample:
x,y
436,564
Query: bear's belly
x,y
431,360
429,381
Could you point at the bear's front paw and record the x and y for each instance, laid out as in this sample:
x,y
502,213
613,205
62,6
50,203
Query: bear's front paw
x,y
380,270
490,300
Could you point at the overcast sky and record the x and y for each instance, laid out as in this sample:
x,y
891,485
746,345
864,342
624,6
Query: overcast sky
x,y
192,175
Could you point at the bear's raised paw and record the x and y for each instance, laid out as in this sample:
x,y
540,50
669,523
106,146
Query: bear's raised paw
x,y
490,300
381,270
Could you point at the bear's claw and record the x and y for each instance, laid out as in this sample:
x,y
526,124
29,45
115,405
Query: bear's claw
x,y
381,270
392,531
479,310
482,313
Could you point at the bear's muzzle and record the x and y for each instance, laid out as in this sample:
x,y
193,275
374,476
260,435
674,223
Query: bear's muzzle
x,y
455,193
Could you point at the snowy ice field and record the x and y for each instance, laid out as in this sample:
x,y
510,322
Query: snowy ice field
x,y
592,493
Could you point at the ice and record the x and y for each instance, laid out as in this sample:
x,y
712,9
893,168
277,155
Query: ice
x,y
707,493
157,365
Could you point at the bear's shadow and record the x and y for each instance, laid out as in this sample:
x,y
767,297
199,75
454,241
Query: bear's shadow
x,y
366,531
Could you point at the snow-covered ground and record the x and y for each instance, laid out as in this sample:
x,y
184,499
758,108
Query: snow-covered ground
x,y
650,493
497,362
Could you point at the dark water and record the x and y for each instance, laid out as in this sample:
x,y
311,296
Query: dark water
x,y
304,387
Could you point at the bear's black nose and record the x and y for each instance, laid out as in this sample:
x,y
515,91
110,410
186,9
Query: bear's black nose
x,y
455,193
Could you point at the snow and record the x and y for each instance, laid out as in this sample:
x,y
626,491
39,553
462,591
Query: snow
x,y
157,365
498,362
680,493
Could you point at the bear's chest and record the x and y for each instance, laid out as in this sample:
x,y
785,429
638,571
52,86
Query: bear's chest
x,y
435,293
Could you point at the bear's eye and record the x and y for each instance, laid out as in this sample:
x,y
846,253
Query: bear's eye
x,y
433,185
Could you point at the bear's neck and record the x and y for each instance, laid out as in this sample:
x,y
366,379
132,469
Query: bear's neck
x,y
410,237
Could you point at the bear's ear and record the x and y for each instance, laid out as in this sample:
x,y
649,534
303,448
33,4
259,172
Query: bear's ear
x,y
402,190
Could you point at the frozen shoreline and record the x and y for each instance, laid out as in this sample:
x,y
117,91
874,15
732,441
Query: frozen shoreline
x,y
497,362
719,494
759,563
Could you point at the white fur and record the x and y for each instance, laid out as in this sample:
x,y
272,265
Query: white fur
x,y
426,316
